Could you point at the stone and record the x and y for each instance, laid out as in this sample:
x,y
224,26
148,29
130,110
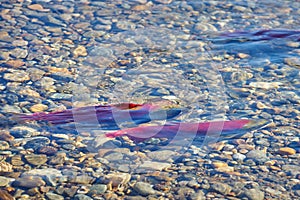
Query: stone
x,y
82,197
80,51
29,182
286,151
254,194
15,63
4,195
82,179
4,181
16,76
221,188
53,196
143,188
149,165
4,145
257,155
162,155
5,167
36,159
292,61
38,108
36,7
97,189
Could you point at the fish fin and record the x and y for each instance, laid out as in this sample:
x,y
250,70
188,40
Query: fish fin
x,y
21,117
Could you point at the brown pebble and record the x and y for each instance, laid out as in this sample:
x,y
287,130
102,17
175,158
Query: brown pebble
x,y
15,63
36,7
36,159
218,164
29,182
5,135
80,51
38,108
48,150
286,151
5,167
4,195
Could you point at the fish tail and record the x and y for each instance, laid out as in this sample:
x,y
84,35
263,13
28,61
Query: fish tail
x,y
22,117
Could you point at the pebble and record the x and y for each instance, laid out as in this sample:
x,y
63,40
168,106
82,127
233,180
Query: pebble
x,y
238,157
286,151
265,85
38,108
18,76
221,188
53,196
80,51
257,155
82,197
97,189
4,181
143,188
5,167
15,63
4,195
125,25
4,145
29,182
292,61
254,194
36,159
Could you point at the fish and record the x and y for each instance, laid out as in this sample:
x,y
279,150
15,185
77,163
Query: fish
x,y
265,34
109,115
225,129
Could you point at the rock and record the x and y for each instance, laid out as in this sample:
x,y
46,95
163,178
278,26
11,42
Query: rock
x,y
29,182
4,145
149,165
5,136
125,25
19,53
197,196
82,197
238,157
35,7
254,194
43,172
97,189
61,96
22,131
162,155
257,155
265,85
17,76
80,51
143,188
4,195
116,179
19,43
292,61
15,63
221,188
82,179
286,151
36,159
218,164
38,108
163,1
3,181
53,196
5,167
48,150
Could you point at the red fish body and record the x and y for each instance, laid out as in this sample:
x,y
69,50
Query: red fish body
x,y
107,114
229,128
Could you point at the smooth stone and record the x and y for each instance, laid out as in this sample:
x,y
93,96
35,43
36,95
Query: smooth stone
x,y
17,76
3,181
4,145
163,155
43,172
82,179
36,159
15,63
29,182
286,151
143,188
5,167
4,195
254,194
22,131
148,165
238,157
221,188
19,53
125,25
61,96
97,189
53,196
82,197
257,155
38,107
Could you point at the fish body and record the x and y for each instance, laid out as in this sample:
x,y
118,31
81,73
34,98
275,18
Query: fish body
x,y
264,34
109,115
226,128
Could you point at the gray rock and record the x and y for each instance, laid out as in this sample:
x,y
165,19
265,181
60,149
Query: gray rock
x,y
221,188
53,196
254,194
257,155
238,157
97,189
198,196
3,181
82,197
125,25
143,188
